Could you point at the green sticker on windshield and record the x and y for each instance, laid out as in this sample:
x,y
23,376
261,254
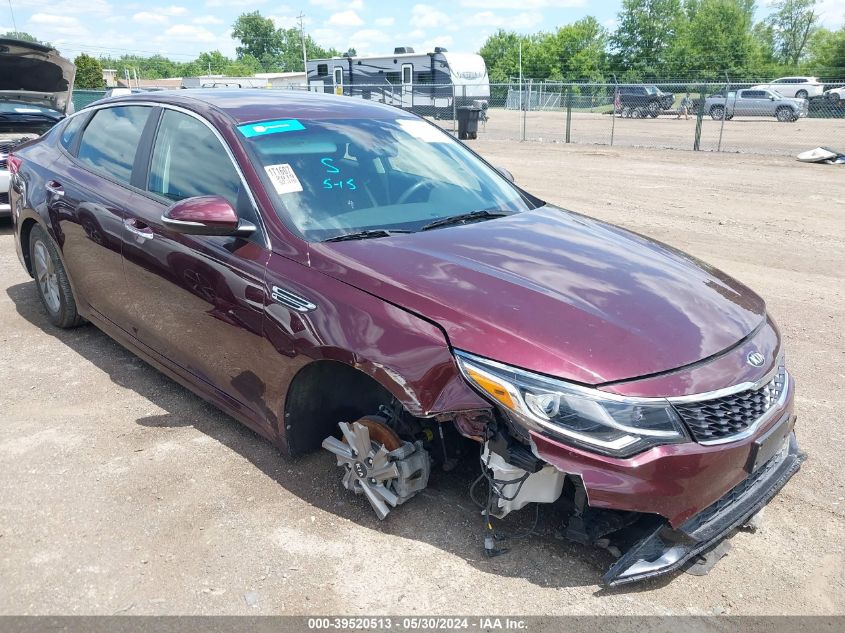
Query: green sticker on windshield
x,y
270,127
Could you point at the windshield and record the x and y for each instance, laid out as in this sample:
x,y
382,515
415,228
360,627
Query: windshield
x,y
335,177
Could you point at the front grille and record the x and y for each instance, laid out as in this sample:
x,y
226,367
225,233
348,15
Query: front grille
x,y
5,149
723,417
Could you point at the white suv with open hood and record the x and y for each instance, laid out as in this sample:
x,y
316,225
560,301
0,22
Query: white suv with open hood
x,y
35,92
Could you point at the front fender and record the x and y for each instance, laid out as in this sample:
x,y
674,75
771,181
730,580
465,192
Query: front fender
x,y
313,316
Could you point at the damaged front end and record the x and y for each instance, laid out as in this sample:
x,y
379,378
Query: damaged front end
x,y
656,482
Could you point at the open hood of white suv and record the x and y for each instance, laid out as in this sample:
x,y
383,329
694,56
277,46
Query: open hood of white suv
x,y
35,73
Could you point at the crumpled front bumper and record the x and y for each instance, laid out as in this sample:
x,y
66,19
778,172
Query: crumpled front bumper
x,y
666,549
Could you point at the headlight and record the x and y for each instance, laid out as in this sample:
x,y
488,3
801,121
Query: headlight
x,y
592,419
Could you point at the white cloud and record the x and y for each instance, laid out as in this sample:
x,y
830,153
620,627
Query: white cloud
x,y
364,41
520,21
190,32
70,7
234,3
285,21
172,10
425,16
338,5
327,37
831,13
52,27
427,46
389,21
416,34
148,17
346,19
207,19
523,4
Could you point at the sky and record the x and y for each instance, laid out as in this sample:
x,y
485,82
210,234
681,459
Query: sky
x,y
181,29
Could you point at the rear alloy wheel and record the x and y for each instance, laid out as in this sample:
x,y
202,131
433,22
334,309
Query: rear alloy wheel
x,y
717,113
51,280
785,115
801,94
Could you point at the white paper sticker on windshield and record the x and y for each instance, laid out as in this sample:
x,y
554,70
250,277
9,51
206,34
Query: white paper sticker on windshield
x,y
423,131
28,110
283,178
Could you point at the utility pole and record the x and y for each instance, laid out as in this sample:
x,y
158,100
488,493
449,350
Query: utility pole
x,y
302,37
12,11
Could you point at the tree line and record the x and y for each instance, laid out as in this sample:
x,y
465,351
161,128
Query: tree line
x,y
670,40
653,40
262,48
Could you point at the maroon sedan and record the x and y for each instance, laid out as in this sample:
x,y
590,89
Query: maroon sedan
x,y
337,273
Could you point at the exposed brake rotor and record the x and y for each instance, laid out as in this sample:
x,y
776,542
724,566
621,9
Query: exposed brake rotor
x,y
378,464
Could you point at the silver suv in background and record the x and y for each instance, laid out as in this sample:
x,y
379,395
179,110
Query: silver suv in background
x,y
36,84
754,102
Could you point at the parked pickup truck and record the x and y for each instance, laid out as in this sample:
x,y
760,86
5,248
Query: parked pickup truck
x,y
642,101
753,102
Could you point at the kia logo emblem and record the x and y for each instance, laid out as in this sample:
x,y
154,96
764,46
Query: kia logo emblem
x,y
756,359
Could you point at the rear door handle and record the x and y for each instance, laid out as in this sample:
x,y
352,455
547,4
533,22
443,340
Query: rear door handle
x,y
138,228
55,188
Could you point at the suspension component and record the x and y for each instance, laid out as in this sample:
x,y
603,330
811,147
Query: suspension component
x,y
378,465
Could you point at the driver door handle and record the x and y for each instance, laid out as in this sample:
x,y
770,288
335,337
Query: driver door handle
x,y
139,228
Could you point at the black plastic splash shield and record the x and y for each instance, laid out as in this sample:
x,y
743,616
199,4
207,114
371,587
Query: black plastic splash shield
x,y
666,549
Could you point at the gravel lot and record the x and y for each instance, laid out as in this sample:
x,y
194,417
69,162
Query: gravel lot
x,y
759,135
121,492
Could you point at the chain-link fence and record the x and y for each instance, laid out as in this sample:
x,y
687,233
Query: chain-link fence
x,y
724,117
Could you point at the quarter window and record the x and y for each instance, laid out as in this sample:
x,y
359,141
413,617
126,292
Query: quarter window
x,y
110,140
71,130
188,160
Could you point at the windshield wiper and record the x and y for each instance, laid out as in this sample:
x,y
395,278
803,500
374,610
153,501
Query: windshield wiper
x,y
365,235
483,214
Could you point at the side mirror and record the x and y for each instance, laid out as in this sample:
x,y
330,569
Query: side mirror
x,y
772,98
505,173
206,215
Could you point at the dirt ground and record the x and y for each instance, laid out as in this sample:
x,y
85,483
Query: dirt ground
x,y
121,492
759,135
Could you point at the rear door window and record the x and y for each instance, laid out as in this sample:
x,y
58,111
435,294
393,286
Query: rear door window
x,y
110,140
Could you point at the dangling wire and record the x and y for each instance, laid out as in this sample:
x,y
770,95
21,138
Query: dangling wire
x,y
495,491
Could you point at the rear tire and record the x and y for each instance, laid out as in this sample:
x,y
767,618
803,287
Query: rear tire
x,y
51,281
801,94
717,113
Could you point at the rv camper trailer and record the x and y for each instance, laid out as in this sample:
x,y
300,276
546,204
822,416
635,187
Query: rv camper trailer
x,y
426,83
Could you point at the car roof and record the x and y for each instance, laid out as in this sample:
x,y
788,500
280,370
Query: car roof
x,y
244,105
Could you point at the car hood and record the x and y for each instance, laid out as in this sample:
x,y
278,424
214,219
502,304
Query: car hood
x,y
555,292
35,73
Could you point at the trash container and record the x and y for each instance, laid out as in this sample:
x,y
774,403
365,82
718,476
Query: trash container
x,y
468,122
